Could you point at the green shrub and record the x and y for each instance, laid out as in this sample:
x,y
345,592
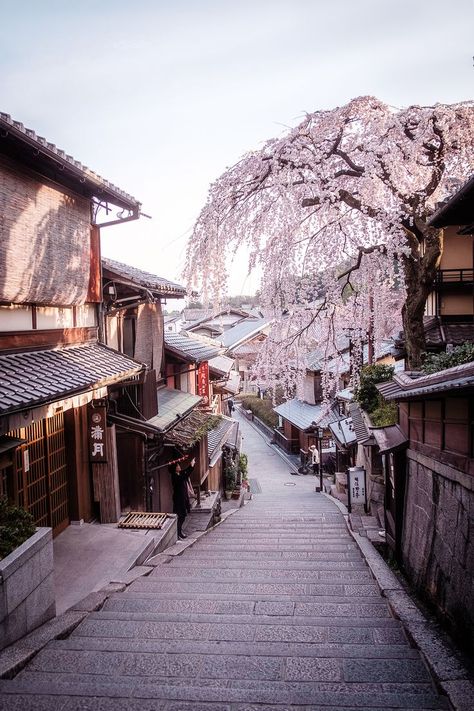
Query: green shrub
x,y
16,526
230,473
263,409
243,465
382,413
440,361
385,414
367,394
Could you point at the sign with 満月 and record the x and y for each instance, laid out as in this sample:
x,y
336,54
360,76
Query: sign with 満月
x,y
356,487
97,433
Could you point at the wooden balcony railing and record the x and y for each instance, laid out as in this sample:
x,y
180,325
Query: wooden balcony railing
x,y
446,277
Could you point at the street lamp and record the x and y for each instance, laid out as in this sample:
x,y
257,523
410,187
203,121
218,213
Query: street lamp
x,y
320,434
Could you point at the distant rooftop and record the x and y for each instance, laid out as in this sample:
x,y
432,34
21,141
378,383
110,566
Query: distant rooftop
x,y
138,277
242,331
190,348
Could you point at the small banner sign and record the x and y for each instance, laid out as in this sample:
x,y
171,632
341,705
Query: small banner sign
x,y
203,382
96,433
356,487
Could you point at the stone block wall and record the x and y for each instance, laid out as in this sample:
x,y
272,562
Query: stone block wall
x,y
438,540
27,597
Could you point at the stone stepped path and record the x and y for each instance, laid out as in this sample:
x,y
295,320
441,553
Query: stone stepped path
x,y
273,610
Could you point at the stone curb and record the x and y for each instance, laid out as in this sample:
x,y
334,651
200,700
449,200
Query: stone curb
x,y
445,664
18,654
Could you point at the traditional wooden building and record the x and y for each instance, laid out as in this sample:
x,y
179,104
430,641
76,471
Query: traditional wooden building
x,y
57,454
242,343
431,489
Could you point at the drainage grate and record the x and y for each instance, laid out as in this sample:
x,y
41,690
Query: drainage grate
x,y
255,487
141,519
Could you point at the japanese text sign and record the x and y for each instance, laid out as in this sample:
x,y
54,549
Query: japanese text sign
x,y
356,486
97,434
203,382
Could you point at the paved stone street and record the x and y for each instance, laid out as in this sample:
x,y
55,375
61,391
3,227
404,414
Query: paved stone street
x,y
273,609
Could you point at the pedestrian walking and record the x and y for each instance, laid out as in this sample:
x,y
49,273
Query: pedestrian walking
x,y
314,454
230,404
180,479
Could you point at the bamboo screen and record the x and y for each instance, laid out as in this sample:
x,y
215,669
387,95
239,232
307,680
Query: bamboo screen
x,y
44,242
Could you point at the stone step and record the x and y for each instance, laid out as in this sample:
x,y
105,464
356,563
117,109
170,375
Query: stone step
x,y
317,650
386,623
174,572
224,547
59,660
211,596
274,589
236,552
205,605
193,558
36,691
205,628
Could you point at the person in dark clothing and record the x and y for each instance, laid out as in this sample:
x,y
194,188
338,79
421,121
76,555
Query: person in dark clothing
x,y
181,503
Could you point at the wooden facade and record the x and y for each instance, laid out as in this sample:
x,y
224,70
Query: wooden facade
x,y
50,292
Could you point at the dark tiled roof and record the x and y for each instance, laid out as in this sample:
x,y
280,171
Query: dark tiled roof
x,y
222,365
243,331
184,434
189,348
438,333
303,415
27,136
458,210
143,279
406,386
173,405
389,438
343,431
218,436
358,422
39,377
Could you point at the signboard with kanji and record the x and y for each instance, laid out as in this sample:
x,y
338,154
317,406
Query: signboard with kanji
x,y
356,486
96,433
203,382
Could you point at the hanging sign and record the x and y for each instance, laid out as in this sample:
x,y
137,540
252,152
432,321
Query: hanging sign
x,y
96,433
356,487
203,382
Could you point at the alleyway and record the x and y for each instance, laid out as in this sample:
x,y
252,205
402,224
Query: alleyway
x,y
274,609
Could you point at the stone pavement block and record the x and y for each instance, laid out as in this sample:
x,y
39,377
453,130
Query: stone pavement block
x,y
291,633
341,610
274,608
381,670
154,604
235,588
304,669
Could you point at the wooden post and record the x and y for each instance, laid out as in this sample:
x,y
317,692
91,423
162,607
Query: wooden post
x,y
106,482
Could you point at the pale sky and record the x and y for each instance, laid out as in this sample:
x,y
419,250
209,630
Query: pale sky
x,y
159,97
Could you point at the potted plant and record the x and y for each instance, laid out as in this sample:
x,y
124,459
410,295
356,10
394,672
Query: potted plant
x,y
230,477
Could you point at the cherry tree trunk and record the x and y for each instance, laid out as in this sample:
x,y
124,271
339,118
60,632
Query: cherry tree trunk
x,y
420,274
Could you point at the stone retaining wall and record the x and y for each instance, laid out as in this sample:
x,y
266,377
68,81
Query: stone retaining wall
x,y
27,597
438,539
